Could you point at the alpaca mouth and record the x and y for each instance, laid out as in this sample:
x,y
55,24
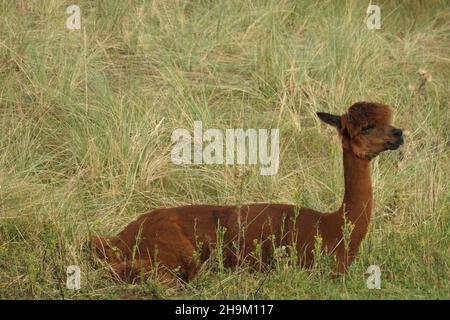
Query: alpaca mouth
x,y
394,145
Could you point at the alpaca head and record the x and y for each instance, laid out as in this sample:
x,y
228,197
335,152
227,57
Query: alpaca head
x,y
366,129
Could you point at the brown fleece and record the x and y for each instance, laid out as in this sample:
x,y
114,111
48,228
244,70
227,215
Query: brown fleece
x,y
177,241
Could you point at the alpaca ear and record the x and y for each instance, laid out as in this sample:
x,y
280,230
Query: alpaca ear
x,y
330,119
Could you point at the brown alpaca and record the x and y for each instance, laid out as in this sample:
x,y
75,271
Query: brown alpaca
x,y
168,239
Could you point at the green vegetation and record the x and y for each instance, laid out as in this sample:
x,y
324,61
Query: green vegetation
x,y
86,118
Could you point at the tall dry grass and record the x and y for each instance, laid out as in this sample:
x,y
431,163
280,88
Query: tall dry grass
x,y
86,119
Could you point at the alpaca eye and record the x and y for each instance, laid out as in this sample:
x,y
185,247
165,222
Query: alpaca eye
x,y
366,130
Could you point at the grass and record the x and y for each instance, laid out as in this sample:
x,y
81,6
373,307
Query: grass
x,y
87,115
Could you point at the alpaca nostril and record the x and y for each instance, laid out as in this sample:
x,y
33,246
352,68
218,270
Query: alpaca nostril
x,y
397,132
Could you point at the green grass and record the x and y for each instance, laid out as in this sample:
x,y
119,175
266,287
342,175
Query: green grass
x,y
86,118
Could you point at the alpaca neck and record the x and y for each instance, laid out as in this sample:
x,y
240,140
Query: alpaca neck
x,y
357,203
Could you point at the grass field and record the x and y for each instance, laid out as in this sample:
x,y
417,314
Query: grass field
x,y
86,118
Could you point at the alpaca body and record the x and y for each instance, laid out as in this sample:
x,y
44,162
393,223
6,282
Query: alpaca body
x,y
183,238
172,236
